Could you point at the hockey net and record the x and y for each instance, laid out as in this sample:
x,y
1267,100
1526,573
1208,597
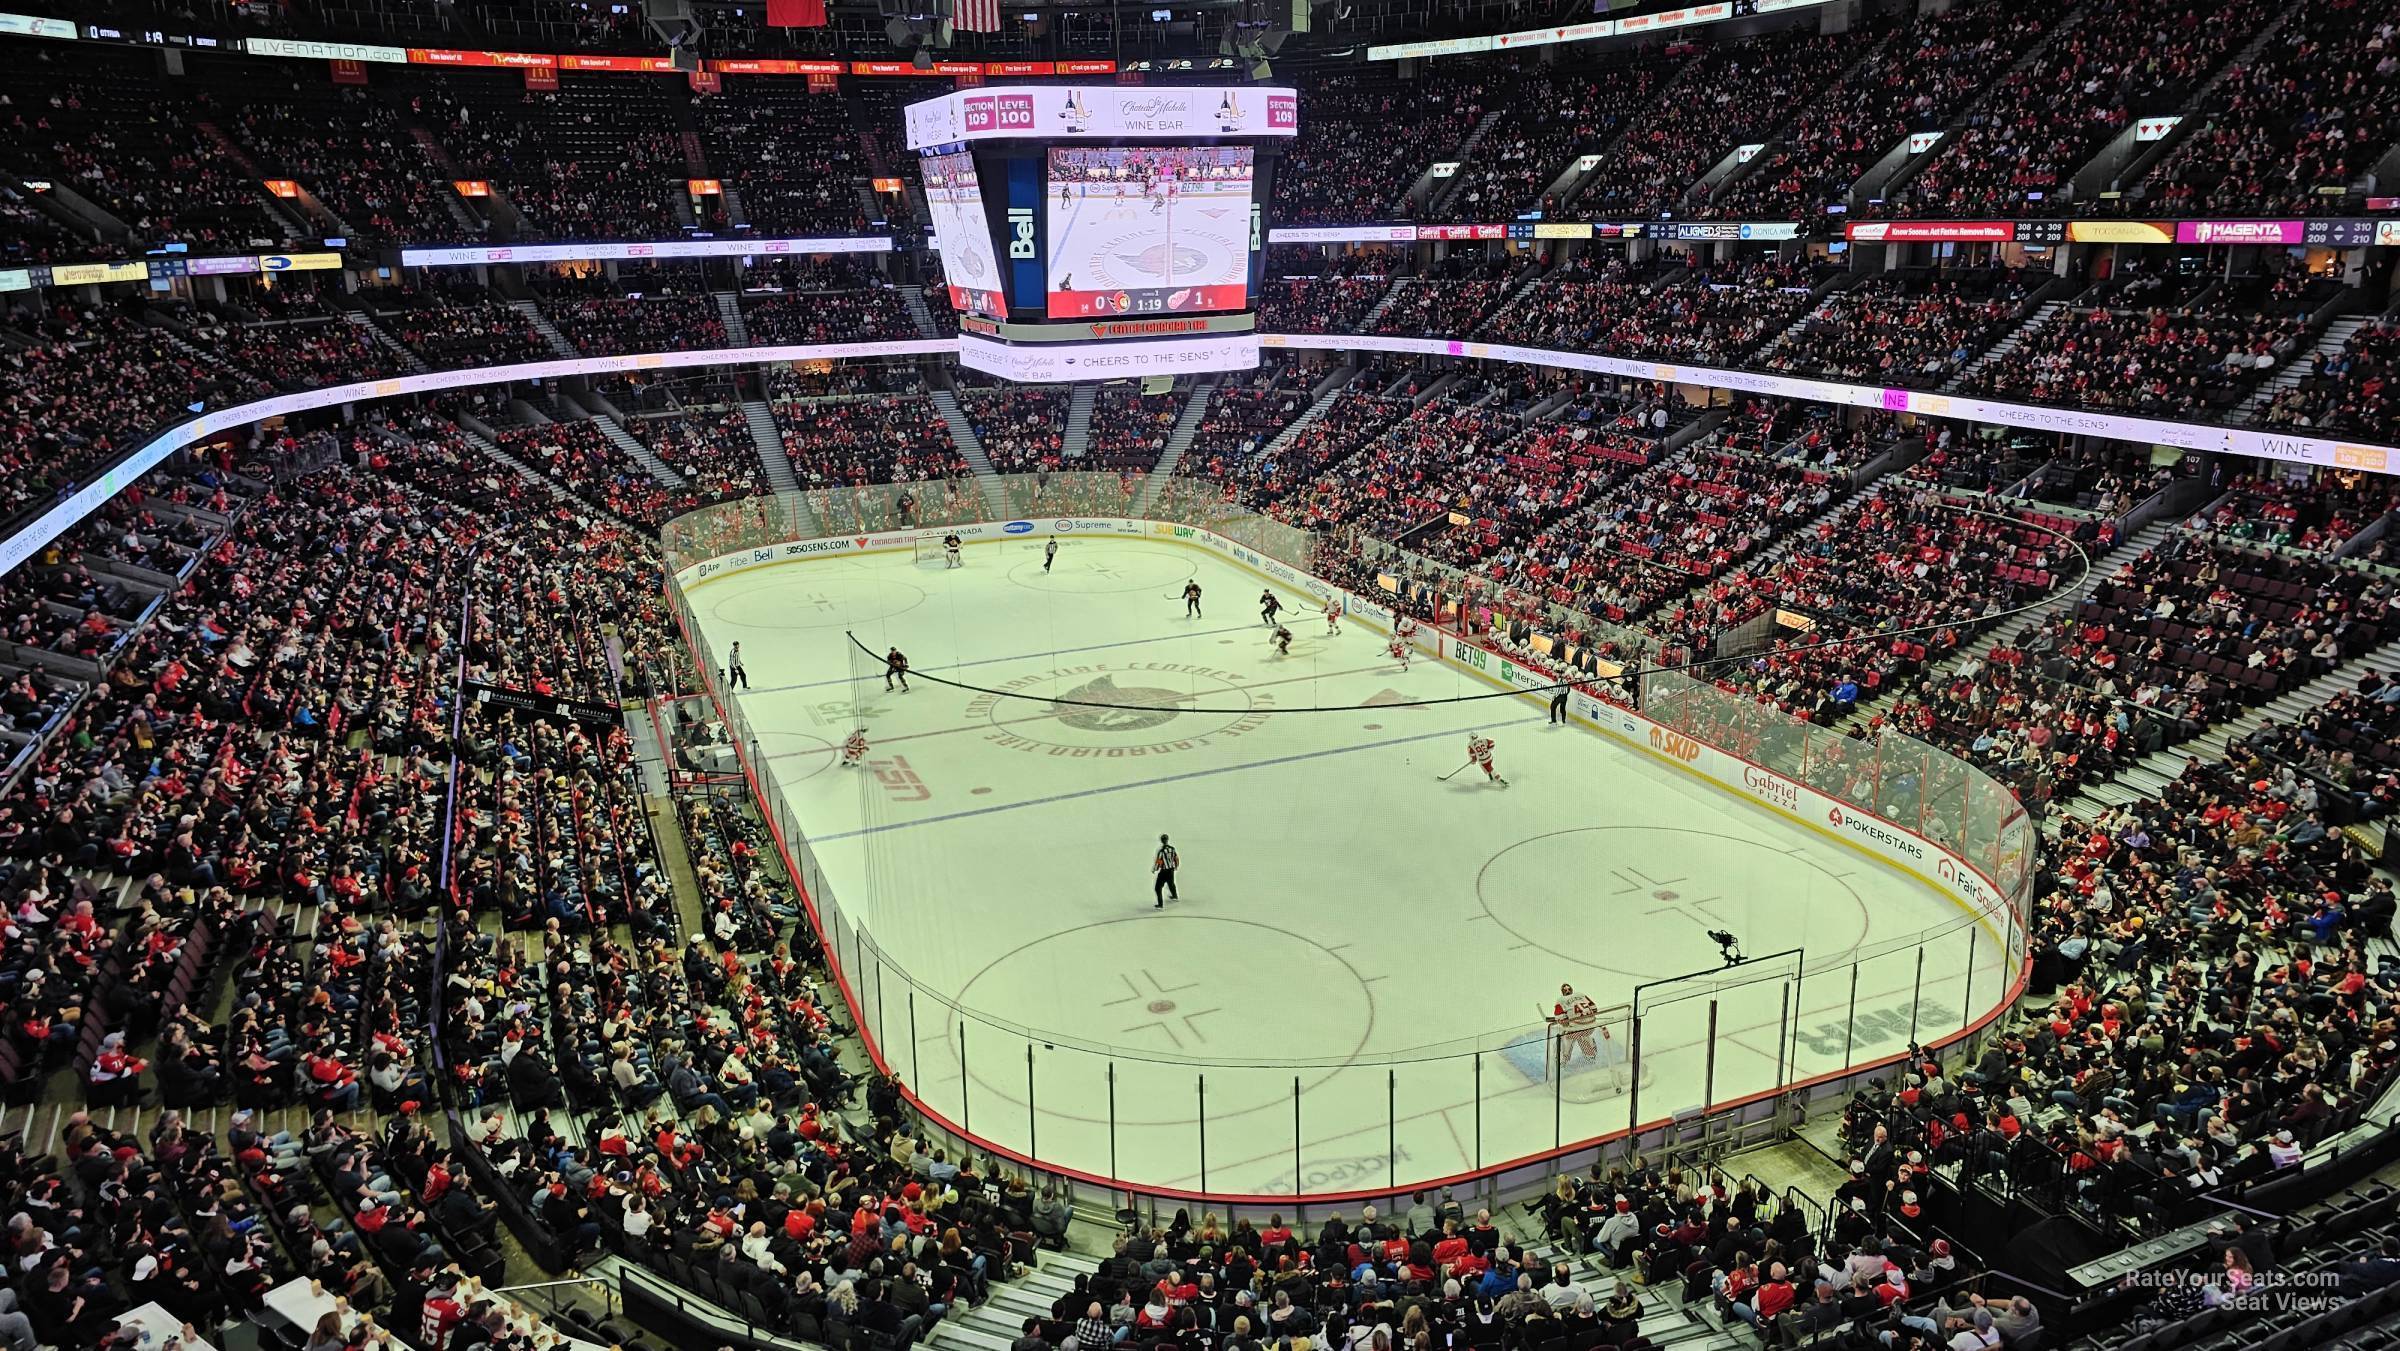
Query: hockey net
x,y
1584,1060
929,546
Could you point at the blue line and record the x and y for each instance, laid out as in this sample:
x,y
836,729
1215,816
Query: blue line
x,y
1023,656
1171,778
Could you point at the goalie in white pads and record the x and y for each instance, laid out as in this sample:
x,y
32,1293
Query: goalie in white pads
x,y
1575,1017
1479,752
1402,631
950,546
854,748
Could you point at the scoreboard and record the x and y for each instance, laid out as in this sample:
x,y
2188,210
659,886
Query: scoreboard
x,y
1097,231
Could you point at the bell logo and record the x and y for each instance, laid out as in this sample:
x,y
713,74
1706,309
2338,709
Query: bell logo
x,y
1020,232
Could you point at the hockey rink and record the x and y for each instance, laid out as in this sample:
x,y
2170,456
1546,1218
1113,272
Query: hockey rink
x,y
1353,930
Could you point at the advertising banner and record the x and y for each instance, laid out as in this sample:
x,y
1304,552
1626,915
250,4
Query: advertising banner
x,y
2154,128
2120,232
326,51
1075,111
1053,363
2240,231
1929,231
665,248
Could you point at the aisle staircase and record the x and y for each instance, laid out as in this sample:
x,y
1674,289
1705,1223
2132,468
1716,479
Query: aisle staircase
x,y
409,360
729,311
1440,191
637,452
1383,305
1332,390
1187,426
542,325
997,1323
1076,442
912,298
2291,373
768,438
2004,349
2150,775
962,434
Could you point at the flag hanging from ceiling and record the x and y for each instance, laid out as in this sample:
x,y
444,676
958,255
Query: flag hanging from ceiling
x,y
795,13
978,16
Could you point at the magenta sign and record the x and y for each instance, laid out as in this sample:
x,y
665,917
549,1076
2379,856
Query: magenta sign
x,y
2240,231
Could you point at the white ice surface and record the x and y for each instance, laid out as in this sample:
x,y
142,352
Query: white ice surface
x,y
1395,936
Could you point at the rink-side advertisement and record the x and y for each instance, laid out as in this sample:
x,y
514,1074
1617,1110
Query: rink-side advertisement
x,y
1139,230
1929,862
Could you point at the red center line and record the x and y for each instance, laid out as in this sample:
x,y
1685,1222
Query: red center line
x,y
1058,711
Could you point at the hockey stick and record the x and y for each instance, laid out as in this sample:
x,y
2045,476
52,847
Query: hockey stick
x,y
1454,773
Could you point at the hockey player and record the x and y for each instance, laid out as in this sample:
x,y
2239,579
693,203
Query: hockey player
x,y
895,667
950,551
1575,1016
1268,608
1479,752
854,749
1282,639
1191,600
1333,619
1399,648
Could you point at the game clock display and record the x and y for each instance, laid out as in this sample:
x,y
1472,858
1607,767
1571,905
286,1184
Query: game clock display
x,y
1137,230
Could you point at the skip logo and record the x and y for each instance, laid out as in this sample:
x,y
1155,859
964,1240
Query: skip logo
x,y
1675,744
1020,232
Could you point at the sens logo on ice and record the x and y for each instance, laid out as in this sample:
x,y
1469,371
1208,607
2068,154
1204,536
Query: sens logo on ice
x,y
1675,744
899,780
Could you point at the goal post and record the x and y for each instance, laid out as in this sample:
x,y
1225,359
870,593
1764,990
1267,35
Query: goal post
x,y
929,545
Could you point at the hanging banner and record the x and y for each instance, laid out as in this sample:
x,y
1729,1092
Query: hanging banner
x,y
705,81
824,82
348,71
541,77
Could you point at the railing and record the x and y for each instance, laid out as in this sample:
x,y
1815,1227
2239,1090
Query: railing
x,y
1508,1100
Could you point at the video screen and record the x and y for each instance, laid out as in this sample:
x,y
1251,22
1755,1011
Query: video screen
x,y
965,239
1148,230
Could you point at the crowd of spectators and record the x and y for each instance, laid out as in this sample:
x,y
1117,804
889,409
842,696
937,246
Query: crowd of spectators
x,y
712,449
1129,429
616,325
1733,96
2029,134
1713,313
1899,330
582,458
2349,745
453,326
2313,511
2287,124
1583,110
1336,304
302,354
1916,82
867,314
101,123
57,434
348,150
2196,630
2167,362
1246,411
1342,168
852,442
1021,428
2349,390
791,154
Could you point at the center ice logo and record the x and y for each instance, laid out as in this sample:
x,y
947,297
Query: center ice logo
x,y
1136,708
1110,711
